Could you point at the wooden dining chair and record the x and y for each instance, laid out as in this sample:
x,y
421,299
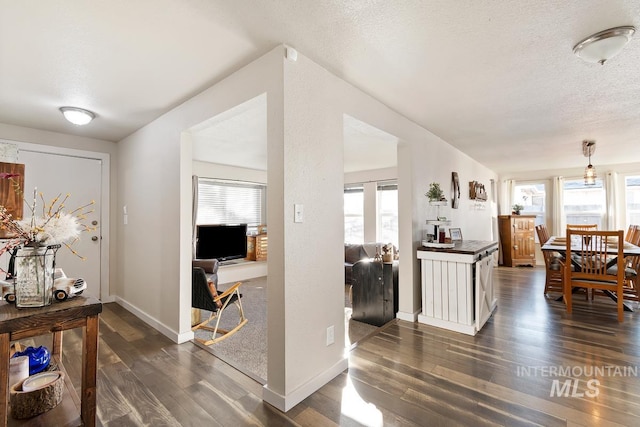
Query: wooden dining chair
x,y
631,233
632,266
543,233
554,266
585,227
587,251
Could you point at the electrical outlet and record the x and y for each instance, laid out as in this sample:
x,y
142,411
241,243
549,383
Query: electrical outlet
x,y
330,335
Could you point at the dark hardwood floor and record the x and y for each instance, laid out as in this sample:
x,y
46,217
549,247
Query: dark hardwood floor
x,y
408,374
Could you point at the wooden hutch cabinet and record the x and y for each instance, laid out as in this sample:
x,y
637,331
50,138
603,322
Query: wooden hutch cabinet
x,y
517,239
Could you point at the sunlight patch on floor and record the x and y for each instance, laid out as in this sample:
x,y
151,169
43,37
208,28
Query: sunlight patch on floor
x,y
354,407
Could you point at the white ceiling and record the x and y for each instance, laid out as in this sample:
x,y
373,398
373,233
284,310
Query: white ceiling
x,y
497,79
238,137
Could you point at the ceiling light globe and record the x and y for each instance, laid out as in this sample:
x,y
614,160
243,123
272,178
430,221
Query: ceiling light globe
x,y
77,116
604,45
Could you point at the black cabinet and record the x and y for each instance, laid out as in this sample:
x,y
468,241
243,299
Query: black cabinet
x,y
374,292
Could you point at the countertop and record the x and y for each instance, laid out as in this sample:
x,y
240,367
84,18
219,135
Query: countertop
x,y
470,247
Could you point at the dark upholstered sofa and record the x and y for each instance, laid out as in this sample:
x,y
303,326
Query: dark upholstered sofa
x,y
357,251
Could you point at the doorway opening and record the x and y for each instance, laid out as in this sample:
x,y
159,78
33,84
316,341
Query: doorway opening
x,y
370,223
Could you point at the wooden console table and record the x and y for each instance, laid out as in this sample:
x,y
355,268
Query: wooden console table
x,y
17,324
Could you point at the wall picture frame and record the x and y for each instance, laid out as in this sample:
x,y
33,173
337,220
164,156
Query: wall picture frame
x,y
11,192
456,234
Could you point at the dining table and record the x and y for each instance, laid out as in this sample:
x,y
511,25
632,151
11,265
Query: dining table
x,y
559,244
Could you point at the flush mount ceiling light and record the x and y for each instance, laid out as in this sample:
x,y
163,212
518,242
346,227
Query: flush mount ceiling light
x,y
588,148
604,45
77,116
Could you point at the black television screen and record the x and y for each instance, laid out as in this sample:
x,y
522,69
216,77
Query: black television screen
x,y
221,241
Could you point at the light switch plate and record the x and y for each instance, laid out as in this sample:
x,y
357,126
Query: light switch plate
x,y
298,213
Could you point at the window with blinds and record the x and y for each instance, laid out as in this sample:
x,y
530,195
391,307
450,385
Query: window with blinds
x,y
231,202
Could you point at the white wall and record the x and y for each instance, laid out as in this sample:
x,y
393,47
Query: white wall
x,y
386,174
218,171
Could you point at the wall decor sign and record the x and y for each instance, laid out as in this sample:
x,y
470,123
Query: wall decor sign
x,y
11,187
477,191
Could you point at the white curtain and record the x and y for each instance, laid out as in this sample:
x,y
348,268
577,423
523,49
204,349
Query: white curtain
x,y
557,207
508,192
194,212
611,193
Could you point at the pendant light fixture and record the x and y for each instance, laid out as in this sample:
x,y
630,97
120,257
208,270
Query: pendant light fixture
x,y
588,148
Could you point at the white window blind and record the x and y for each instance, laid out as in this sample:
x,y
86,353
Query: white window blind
x,y
231,202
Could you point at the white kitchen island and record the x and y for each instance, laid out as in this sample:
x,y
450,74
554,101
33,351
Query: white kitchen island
x,y
457,285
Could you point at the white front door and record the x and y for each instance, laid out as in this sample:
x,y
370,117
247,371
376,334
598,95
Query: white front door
x,y
57,174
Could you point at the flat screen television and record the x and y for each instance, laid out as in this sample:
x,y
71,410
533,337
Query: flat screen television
x,y
221,241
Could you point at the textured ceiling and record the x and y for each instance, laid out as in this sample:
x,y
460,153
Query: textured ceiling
x,y
496,79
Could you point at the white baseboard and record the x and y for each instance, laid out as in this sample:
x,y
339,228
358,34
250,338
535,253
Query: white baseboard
x,y
284,403
155,323
409,317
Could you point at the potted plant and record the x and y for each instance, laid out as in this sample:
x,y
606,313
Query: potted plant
x,y
435,193
517,208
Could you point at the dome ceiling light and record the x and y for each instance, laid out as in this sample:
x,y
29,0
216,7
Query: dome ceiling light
x,y
604,45
77,116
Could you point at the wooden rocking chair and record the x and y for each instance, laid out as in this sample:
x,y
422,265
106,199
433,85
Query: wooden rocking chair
x,y
203,297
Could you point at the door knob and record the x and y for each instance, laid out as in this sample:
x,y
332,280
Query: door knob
x,y
94,238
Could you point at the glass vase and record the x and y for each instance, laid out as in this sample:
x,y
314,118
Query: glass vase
x,y
34,276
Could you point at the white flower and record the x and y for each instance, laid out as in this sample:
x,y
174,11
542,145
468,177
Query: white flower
x,y
58,229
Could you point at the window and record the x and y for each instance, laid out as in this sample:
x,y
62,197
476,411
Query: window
x,y
388,212
231,202
354,214
632,193
584,204
533,197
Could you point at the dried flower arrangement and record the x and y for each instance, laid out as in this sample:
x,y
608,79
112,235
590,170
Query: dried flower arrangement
x,y
53,226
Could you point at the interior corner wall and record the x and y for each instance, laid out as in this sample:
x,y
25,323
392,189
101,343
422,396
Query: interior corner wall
x,y
311,175
155,168
305,107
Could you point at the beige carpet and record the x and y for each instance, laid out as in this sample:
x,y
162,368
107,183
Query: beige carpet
x,y
246,350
